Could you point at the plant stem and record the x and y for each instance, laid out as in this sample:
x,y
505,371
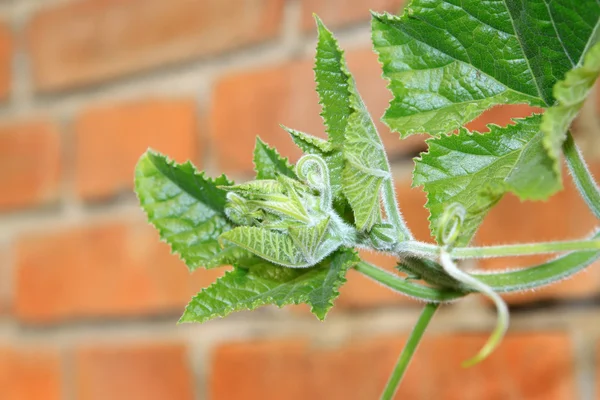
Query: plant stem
x,y
581,175
405,286
408,351
522,249
392,210
525,249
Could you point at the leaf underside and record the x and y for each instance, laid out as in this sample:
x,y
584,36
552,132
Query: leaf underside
x,y
570,94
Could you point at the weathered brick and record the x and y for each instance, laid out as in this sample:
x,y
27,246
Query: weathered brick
x,y
153,371
6,51
565,216
29,164
525,366
88,41
336,13
31,374
107,270
255,103
111,138
6,282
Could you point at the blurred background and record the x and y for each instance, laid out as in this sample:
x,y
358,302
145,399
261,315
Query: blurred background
x,y
89,297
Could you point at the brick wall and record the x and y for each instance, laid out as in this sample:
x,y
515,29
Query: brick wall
x,y
89,297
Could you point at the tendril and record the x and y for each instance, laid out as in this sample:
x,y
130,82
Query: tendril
x,y
313,170
450,224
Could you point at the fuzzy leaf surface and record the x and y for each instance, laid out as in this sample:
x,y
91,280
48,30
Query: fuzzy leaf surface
x,y
449,60
476,169
268,163
185,206
251,286
570,94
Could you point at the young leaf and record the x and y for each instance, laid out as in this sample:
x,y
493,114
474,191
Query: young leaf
x,y
301,247
252,286
185,206
475,170
447,61
365,166
268,163
331,75
570,93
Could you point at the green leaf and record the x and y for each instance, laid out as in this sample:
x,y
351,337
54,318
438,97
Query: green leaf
x,y
570,93
246,288
475,170
300,247
185,206
268,163
331,75
449,60
365,163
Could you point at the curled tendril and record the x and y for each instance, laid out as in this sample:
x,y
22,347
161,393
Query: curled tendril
x,y
240,212
313,170
501,308
450,224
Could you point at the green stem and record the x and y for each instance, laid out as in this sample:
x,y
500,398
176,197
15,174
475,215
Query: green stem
x,y
392,210
409,351
405,286
522,249
525,249
581,175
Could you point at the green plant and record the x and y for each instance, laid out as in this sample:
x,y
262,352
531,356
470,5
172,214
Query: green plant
x,y
291,234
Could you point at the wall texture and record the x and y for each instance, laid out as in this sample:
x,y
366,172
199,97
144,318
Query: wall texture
x,y
89,297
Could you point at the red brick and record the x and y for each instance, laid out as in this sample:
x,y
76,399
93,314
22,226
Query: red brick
x,y
110,139
149,372
526,366
501,115
255,103
336,13
6,47
88,41
29,164
6,282
113,269
32,374
565,216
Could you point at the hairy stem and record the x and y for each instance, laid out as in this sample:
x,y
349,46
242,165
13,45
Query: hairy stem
x,y
581,175
405,286
432,251
501,308
392,210
409,350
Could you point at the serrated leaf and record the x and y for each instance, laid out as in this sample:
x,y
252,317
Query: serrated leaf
x,y
570,94
264,283
449,60
476,169
282,247
365,163
331,76
268,163
185,206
